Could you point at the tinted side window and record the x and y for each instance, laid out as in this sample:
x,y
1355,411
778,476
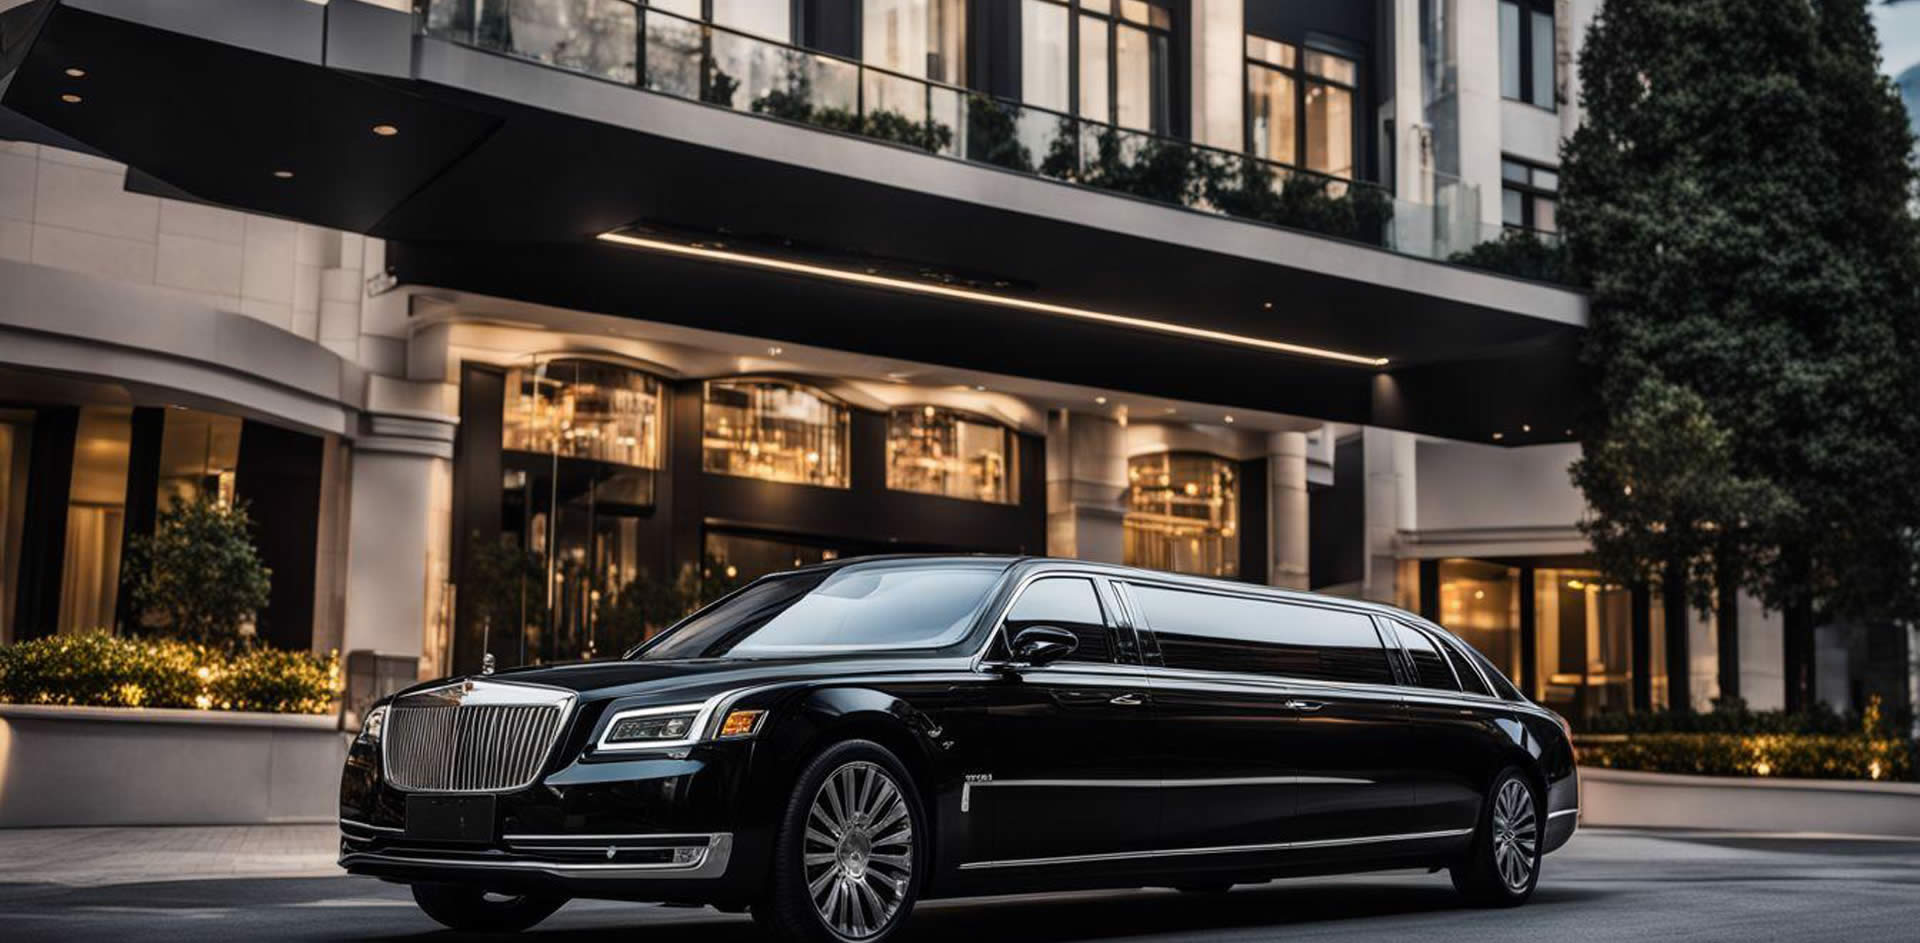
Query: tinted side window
x,y
1430,668
1064,602
1469,678
1232,633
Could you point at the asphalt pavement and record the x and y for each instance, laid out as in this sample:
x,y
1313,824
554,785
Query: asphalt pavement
x,y
278,884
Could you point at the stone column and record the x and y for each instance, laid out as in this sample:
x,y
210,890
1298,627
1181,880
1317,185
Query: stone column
x,y
1086,487
1287,510
1388,457
396,532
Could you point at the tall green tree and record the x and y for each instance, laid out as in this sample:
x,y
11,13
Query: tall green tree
x,y
1737,194
198,575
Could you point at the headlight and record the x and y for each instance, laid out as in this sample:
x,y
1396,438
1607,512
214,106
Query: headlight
x,y
375,722
654,726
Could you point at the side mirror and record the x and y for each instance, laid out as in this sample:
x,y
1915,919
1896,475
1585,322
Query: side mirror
x,y
1038,645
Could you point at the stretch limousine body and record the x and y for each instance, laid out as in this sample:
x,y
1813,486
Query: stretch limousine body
x,y
828,745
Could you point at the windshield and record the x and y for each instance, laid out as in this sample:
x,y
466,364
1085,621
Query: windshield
x,y
869,607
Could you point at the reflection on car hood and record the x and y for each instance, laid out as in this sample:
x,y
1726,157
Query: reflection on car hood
x,y
697,678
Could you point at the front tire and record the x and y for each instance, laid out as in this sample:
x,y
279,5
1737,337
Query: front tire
x,y
1502,867
472,910
850,852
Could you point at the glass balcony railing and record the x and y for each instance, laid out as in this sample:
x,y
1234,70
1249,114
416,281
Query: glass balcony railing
x,y
652,48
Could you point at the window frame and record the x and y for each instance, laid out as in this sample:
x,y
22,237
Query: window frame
x,y
1525,65
1301,78
1111,21
1010,437
845,433
1529,192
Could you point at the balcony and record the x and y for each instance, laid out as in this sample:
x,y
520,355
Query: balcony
x,y
646,47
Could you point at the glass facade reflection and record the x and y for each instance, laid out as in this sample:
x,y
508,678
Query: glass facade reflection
x,y
16,444
1300,106
199,454
1183,514
931,450
1480,602
584,409
96,519
1584,642
774,430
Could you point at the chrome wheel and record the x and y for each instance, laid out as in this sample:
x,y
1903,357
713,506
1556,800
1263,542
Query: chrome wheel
x,y
1516,834
858,852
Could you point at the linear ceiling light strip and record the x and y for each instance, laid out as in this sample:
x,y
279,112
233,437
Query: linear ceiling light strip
x,y
943,291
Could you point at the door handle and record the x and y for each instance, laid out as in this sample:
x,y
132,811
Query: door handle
x,y
1127,700
1304,706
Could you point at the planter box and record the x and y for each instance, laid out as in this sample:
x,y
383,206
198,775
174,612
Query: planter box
x,y
1611,797
131,766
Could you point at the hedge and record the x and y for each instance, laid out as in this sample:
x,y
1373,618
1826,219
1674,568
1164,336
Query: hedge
x,y
1797,756
101,670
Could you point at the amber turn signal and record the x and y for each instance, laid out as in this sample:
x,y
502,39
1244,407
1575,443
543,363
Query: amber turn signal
x,y
741,723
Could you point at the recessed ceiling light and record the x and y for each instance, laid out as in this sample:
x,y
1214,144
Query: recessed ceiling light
x,y
1100,400
1498,436
385,130
1228,418
1025,304
979,389
1267,305
1525,428
77,73
70,98
776,350
284,174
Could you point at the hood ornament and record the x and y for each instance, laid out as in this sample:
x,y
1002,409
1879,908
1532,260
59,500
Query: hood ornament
x,y
486,663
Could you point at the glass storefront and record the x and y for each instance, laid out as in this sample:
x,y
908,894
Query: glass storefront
x,y
199,454
96,519
584,409
16,439
1584,642
1480,602
931,450
581,442
734,559
774,430
1183,514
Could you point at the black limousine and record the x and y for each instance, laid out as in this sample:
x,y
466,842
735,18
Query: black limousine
x,y
825,746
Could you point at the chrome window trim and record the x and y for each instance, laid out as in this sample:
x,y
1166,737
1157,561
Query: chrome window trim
x,y
1217,850
711,864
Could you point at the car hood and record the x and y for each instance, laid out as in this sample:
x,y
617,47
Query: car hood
x,y
674,680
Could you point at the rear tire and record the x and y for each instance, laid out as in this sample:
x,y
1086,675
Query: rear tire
x,y
1502,867
851,850
470,909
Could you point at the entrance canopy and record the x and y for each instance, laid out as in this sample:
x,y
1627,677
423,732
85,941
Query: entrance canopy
x,y
500,176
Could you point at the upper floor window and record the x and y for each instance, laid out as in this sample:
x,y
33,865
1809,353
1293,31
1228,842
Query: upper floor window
x,y
1529,196
1109,61
922,38
942,451
1300,106
1526,51
584,409
775,431
1183,514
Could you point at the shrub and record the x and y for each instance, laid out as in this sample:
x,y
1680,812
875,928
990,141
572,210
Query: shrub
x,y
1802,756
1520,254
101,670
198,575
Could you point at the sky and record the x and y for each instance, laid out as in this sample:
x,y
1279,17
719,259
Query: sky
x,y
1899,26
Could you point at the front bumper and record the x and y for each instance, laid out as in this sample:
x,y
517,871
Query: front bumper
x,y
383,852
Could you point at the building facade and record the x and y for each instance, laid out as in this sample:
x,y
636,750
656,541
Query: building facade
x,y
520,325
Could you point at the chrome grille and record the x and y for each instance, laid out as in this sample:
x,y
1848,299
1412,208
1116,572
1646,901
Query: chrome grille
x,y
446,747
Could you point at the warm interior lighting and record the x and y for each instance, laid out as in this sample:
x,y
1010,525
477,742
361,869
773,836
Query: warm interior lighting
x,y
385,130
284,174
947,291
77,73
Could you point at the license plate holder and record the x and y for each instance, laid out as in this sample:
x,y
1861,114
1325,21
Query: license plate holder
x,y
451,818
